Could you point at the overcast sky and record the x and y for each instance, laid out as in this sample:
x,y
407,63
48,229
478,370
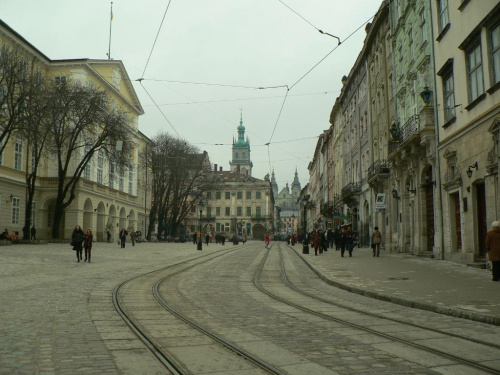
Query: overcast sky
x,y
251,43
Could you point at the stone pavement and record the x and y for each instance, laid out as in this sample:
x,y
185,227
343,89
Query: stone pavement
x,y
435,285
57,315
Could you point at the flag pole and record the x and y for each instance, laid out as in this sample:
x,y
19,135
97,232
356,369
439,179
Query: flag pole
x,y
110,23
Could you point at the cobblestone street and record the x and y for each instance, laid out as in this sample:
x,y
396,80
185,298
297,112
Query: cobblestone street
x,y
59,317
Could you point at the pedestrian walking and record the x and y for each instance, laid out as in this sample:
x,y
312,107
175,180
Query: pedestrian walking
x,y
493,248
33,233
207,239
87,244
330,238
305,244
349,240
123,237
76,241
376,241
194,238
108,236
267,240
223,238
133,237
315,241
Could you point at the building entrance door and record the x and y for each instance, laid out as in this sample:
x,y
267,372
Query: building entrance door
x,y
482,227
429,210
455,200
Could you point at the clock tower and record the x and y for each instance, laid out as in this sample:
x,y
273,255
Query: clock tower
x,y
241,162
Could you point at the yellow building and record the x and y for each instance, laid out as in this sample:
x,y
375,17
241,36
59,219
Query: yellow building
x,y
106,198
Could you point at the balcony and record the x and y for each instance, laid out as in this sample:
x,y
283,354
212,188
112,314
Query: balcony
x,y
405,134
327,208
351,189
378,169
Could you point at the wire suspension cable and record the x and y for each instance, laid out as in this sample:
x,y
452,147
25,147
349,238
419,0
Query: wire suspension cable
x,y
156,38
159,109
319,30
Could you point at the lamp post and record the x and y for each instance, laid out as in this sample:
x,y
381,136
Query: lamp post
x,y
201,205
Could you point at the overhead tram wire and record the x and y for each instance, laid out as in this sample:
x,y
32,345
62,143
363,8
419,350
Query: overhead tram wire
x,y
319,30
329,53
156,38
159,109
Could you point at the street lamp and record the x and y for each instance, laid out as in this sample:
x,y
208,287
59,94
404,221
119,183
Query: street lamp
x,y
201,205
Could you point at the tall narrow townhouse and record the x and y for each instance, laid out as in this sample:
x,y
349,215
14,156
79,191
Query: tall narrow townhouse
x,y
412,147
356,149
380,116
316,167
467,55
338,163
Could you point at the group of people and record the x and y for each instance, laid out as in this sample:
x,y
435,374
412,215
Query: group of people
x,y
82,240
344,240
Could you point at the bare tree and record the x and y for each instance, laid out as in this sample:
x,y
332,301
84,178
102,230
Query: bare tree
x,y
82,122
34,129
17,71
179,180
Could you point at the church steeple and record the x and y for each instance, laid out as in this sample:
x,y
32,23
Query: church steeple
x,y
241,162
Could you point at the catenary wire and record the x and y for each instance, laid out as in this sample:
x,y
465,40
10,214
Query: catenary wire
x,y
156,38
319,30
159,109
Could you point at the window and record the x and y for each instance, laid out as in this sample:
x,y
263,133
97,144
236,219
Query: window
x,y
100,166
410,43
131,180
423,33
448,96
444,19
86,171
111,182
239,211
209,195
121,181
258,211
16,208
33,160
18,155
239,195
475,73
258,195
495,54
227,195
249,211
217,211
60,80
218,195
228,211
249,195
209,211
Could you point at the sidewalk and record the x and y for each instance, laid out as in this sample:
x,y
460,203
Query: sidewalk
x,y
435,285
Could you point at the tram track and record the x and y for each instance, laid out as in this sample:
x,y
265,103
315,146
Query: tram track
x,y
167,360
392,337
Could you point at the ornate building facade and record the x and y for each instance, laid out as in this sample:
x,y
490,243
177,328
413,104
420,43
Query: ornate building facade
x,y
105,198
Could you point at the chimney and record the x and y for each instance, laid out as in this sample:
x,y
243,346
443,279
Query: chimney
x,y
215,167
220,169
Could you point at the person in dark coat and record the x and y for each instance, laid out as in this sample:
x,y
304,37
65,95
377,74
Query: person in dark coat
x,y
87,244
207,238
329,238
493,249
76,240
376,241
123,237
108,235
349,240
33,233
343,240
223,238
315,241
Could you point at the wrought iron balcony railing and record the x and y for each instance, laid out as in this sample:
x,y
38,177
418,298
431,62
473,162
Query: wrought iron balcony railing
x,y
379,167
351,189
